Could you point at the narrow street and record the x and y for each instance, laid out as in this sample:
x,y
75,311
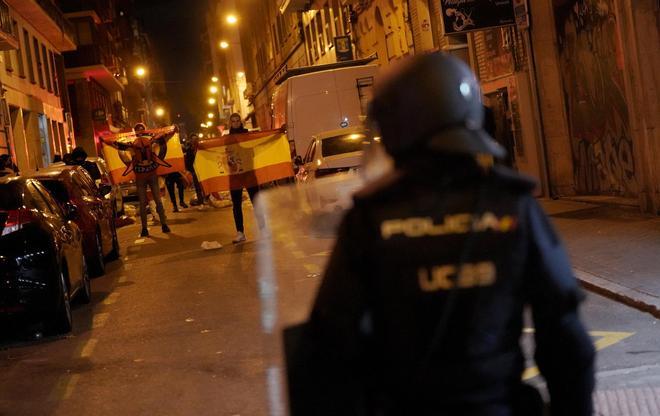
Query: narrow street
x,y
174,329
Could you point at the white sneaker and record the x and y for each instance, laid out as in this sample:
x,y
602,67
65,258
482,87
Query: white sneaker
x,y
240,237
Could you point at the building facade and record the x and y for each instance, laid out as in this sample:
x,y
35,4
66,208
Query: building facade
x,y
36,119
95,73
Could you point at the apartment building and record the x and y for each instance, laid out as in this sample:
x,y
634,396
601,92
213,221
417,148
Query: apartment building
x,y
36,120
94,71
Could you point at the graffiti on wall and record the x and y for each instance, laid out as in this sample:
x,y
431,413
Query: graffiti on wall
x,y
592,75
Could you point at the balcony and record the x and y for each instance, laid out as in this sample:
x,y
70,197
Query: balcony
x,y
7,39
100,10
48,19
96,62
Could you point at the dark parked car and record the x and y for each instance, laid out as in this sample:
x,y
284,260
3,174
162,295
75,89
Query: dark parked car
x,y
41,262
74,190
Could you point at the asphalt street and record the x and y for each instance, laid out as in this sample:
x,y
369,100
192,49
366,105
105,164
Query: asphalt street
x,y
174,329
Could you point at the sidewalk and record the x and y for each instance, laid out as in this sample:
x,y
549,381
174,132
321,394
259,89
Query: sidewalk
x,y
615,251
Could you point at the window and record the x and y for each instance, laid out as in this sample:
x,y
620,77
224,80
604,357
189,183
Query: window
x,y
346,143
57,190
312,33
308,42
40,69
56,81
54,206
39,202
319,31
84,33
28,55
328,27
19,51
337,18
346,12
47,70
7,58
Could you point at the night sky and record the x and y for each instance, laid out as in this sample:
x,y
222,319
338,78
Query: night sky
x,y
175,28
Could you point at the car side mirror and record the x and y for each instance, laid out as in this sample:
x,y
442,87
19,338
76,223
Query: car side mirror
x,y
71,211
105,189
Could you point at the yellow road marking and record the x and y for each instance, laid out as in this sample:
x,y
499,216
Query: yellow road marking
x,y
88,348
100,320
606,339
112,298
64,387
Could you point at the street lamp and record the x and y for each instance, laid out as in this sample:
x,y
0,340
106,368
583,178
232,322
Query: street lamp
x,y
240,74
212,101
209,123
232,19
160,112
140,72
213,89
214,79
224,44
203,125
210,115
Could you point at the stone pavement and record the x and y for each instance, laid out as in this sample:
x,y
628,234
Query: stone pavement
x,y
615,251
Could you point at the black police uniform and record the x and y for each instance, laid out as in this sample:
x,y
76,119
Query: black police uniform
x,y
389,279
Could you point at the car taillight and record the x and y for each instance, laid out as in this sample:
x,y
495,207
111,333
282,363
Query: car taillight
x,y
16,219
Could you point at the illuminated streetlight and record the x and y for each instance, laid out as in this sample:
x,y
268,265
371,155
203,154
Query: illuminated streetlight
x,y
232,19
140,72
214,79
203,125
224,44
200,135
212,101
213,89
160,112
210,115
240,74
209,123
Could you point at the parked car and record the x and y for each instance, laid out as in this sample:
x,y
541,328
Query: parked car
x,y
98,170
42,266
73,188
129,191
331,152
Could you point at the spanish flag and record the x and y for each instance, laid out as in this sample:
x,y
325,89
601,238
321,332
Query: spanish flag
x,y
118,160
243,160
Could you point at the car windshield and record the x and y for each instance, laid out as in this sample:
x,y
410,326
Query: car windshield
x,y
56,189
10,196
346,143
92,168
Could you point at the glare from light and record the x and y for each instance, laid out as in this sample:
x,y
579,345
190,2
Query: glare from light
x,y
214,79
203,125
160,112
140,72
354,136
200,135
232,19
213,89
212,101
224,44
240,74
318,162
210,115
377,139
209,123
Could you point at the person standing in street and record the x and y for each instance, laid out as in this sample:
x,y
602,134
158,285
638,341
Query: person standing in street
x,y
420,311
171,180
190,151
145,164
236,127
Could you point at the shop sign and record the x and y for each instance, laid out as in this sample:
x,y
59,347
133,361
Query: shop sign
x,y
343,48
460,16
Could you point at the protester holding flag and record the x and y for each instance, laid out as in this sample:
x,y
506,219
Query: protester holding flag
x,y
236,127
144,164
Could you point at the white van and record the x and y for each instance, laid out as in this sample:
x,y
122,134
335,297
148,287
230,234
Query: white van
x,y
320,101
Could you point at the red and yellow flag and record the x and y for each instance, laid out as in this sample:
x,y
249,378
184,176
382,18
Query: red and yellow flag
x,y
119,160
243,160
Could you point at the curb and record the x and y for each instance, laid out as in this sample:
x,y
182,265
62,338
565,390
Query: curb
x,y
614,291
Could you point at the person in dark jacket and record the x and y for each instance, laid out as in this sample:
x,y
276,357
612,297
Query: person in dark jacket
x,y
189,153
171,180
420,311
236,127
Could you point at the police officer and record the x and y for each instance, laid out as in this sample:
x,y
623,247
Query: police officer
x,y
420,310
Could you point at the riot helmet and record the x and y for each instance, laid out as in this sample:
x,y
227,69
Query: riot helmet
x,y
432,103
